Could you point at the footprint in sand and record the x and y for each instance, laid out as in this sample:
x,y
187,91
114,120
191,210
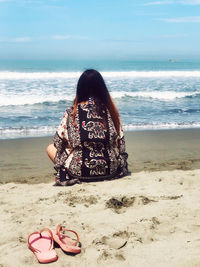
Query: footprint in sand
x,y
117,240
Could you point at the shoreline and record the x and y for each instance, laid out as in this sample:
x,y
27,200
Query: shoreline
x,y
195,128
24,160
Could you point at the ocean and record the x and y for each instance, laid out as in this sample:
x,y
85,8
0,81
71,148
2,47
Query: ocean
x,y
149,94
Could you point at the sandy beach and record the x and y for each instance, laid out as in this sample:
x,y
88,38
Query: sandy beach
x,y
149,218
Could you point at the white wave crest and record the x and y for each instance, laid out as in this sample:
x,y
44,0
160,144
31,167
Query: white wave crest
x,y
164,126
13,75
20,100
11,133
151,74
165,95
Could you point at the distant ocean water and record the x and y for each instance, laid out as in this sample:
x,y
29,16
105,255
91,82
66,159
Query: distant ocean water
x,y
148,94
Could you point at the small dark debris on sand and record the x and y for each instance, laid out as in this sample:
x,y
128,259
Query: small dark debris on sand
x,y
119,203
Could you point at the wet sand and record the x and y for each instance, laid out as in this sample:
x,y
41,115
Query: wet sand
x,y
25,160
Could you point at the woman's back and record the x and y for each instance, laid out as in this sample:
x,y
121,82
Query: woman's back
x,y
92,142
89,143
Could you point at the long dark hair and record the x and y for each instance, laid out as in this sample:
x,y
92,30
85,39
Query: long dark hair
x,y
91,84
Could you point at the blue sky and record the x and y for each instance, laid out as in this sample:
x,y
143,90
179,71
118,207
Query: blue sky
x,y
112,29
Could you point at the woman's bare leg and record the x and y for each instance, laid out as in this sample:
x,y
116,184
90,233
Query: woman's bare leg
x,y
51,152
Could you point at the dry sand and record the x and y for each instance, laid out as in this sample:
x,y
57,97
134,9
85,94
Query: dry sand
x,y
146,219
149,218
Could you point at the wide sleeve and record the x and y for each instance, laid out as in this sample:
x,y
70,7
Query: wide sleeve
x,y
123,156
61,133
61,142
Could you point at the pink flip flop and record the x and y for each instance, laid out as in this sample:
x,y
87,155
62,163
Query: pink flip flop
x,y
66,243
42,245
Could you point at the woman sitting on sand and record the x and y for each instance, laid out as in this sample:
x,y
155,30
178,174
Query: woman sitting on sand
x,y
89,143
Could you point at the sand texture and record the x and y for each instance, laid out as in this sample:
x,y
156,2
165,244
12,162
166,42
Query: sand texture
x,y
149,218
145,219
25,160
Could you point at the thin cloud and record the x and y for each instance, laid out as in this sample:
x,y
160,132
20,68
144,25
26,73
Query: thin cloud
x,y
34,1
67,37
61,37
15,40
190,2
193,19
174,36
20,40
44,3
183,2
156,3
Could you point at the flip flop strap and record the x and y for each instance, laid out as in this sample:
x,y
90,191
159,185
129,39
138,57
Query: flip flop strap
x,y
59,228
40,236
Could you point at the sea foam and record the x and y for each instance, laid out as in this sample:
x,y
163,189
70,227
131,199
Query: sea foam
x,y
13,75
19,100
21,132
161,95
33,103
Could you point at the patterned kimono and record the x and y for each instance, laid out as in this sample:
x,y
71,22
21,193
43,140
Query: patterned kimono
x,y
89,148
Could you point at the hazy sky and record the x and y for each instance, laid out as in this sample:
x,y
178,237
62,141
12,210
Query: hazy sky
x,y
129,29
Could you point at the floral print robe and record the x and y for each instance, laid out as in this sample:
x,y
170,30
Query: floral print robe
x,y
89,148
